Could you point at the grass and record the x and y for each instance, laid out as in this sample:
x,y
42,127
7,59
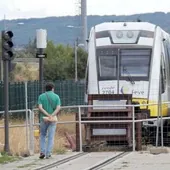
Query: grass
x,y
60,151
17,136
27,165
4,158
24,72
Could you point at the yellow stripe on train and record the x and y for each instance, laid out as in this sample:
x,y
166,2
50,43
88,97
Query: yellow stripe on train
x,y
153,108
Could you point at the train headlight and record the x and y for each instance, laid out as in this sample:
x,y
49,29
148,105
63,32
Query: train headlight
x,y
130,34
119,34
124,36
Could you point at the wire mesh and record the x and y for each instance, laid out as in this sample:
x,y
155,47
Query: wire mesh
x,y
18,132
70,92
106,134
108,123
65,135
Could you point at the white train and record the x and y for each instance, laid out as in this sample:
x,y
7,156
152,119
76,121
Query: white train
x,y
130,58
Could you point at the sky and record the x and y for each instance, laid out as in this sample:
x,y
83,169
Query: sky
x,y
14,9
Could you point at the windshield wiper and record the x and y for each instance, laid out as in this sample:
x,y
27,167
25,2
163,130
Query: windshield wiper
x,y
129,75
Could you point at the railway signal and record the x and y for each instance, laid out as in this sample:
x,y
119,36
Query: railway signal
x,y
7,56
7,45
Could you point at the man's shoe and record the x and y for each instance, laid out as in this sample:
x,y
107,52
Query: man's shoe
x,y
42,156
49,156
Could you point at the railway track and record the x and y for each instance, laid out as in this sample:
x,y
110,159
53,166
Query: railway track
x,y
60,162
107,161
82,161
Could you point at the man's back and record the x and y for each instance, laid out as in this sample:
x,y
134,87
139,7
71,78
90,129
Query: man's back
x,y
49,101
49,106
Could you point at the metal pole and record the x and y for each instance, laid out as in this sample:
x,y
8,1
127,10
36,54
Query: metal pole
x,y
84,22
31,147
160,111
6,105
157,127
41,74
80,130
76,61
4,22
26,107
133,127
1,68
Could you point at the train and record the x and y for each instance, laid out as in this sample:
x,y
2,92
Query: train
x,y
131,58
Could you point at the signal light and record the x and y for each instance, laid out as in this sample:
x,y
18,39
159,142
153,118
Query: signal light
x,y
7,45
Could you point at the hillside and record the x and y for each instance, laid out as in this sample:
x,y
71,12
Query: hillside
x,y
59,32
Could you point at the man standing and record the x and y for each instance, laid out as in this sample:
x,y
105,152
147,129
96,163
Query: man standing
x,y
49,107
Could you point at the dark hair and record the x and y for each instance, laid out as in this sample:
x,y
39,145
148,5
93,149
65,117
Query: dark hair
x,y
49,86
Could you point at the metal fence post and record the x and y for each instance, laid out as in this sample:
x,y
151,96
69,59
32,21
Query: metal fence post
x,y
28,129
26,108
80,130
160,111
31,147
133,127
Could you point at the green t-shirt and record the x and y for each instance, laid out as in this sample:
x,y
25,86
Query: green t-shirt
x,y
55,100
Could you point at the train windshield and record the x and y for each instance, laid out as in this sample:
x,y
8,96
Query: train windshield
x,y
134,63
107,66
126,63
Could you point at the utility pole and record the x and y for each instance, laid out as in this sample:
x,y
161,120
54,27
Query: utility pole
x,y
84,22
75,59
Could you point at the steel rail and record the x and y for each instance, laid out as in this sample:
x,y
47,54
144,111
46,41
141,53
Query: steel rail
x,y
60,162
107,161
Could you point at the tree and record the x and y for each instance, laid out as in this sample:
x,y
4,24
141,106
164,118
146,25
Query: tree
x,y
60,61
31,48
57,61
81,64
59,64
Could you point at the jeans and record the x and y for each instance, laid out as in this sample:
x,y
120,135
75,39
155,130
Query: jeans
x,y
44,128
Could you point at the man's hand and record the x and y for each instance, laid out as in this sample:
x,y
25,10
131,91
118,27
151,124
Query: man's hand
x,y
56,111
50,116
42,110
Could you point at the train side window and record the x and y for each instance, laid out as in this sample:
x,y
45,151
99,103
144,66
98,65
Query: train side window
x,y
162,82
168,51
86,78
163,74
166,44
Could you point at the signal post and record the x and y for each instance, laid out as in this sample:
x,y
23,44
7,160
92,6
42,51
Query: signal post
x,y
7,56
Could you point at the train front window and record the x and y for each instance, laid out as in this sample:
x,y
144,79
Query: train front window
x,y
107,67
135,63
